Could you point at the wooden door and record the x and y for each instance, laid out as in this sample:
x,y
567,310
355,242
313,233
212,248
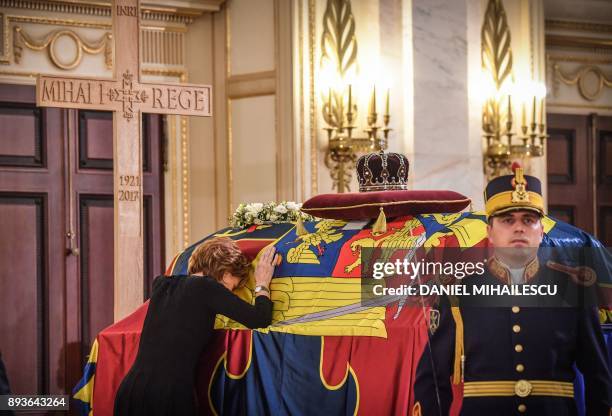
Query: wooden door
x,y
33,326
579,162
603,197
56,213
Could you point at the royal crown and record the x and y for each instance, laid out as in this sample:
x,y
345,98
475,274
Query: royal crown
x,y
382,172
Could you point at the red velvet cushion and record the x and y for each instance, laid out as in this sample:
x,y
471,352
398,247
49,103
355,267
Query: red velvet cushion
x,y
366,205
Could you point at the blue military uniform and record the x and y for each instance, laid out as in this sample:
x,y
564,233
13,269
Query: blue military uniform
x,y
512,360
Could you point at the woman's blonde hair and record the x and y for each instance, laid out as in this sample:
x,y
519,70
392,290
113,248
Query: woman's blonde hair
x,y
218,255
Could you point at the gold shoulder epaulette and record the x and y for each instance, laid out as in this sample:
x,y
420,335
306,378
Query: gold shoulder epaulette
x,y
581,275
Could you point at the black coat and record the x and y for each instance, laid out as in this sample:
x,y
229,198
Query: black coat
x,y
177,328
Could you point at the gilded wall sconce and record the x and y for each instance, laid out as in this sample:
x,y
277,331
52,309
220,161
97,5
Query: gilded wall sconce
x,y
338,68
505,143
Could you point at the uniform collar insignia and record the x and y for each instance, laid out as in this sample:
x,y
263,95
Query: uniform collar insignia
x,y
500,271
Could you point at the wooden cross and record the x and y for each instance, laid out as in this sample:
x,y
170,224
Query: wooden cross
x,y
128,98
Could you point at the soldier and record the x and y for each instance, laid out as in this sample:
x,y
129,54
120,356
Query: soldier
x,y
513,360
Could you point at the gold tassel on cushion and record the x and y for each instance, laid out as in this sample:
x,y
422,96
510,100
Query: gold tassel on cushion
x,y
380,226
300,230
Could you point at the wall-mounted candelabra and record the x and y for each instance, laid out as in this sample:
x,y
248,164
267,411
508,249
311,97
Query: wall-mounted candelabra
x,y
338,94
506,143
344,145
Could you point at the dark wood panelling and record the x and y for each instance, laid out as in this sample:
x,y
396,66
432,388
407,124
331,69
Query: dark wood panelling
x,y
604,148
149,263
562,213
569,169
605,225
96,236
23,333
58,321
95,140
149,127
561,144
603,136
22,143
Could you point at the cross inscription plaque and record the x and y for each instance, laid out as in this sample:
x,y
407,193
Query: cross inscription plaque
x,y
127,98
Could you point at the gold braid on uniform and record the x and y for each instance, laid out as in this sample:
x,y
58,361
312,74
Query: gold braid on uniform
x,y
459,362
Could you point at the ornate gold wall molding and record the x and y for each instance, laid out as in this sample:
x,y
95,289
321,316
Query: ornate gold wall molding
x,y
314,144
47,43
300,93
91,24
553,24
181,74
579,58
169,13
185,178
252,85
589,79
585,106
162,44
579,42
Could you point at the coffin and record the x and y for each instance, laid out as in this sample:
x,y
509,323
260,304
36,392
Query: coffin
x,y
325,353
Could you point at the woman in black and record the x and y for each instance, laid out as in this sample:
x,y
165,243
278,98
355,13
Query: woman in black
x,y
179,325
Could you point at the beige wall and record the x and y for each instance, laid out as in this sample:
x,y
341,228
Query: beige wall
x,y
265,139
253,147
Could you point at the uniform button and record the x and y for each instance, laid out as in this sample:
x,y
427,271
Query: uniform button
x,y
516,309
516,329
522,408
518,348
520,368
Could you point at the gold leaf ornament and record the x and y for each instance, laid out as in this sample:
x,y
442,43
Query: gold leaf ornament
x,y
496,60
338,56
496,50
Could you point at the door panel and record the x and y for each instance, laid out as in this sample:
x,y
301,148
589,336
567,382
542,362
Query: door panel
x,y
568,174
22,219
33,324
603,133
580,172
56,218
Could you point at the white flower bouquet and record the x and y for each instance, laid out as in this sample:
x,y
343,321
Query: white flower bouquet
x,y
270,212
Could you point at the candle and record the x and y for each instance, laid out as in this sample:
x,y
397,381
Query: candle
x,y
350,99
533,118
523,115
542,111
329,102
509,109
373,101
387,106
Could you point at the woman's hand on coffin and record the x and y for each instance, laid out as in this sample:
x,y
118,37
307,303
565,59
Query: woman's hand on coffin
x,y
265,267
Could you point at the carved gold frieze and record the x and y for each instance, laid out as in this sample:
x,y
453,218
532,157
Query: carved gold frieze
x,y
48,43
575,26
163,13
590,80
161,44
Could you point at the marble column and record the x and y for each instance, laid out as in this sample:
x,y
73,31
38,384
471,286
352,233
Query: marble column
x,y
446,148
